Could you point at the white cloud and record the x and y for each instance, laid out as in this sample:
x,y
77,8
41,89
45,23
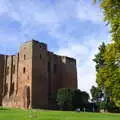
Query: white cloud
x,y
38,15
30,12
89,12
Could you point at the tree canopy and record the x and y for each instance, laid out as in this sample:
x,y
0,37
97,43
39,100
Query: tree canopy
x,y
68,98
108,76
111,11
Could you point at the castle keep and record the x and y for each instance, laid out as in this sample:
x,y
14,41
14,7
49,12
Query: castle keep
x,y
31,78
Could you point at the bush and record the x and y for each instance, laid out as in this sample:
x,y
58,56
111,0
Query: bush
x,y
103,105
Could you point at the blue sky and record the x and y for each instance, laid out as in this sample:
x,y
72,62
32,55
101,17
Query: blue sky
x,y
73,28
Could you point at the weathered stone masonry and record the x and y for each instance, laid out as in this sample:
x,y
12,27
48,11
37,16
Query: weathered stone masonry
x,y
31,78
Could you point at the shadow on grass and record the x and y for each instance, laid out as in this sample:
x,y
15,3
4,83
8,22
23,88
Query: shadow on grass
x,y
1,108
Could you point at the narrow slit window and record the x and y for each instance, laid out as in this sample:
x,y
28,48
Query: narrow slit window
x,y
55,68
24,57
40,56
24,70
48,66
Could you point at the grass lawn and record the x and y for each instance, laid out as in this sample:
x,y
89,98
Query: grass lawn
x,y
18,114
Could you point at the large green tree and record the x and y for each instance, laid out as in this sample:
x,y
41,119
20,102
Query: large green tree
x,y
68,98
108,76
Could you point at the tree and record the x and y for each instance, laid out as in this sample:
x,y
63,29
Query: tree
x,y
64,98
85,97
109,75
112,77
96,94
99,58
80,99
100,65
111,10
77,100
68,98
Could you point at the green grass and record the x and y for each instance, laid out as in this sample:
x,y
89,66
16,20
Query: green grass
x,y
18,114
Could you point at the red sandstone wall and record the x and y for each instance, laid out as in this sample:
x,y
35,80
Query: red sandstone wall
x,y
39,75
69,72
7,81
54,77
1,76
24,94
16,81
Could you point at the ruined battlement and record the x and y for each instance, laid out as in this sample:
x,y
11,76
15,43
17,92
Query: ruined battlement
x,y
31,78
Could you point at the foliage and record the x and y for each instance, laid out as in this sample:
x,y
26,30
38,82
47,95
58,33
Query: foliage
x,y
64,98
99,58
109,75
96,94
80,99
68,98
111,11
103,105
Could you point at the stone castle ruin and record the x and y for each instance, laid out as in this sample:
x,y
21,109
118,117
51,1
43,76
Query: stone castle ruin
x,y
31,78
